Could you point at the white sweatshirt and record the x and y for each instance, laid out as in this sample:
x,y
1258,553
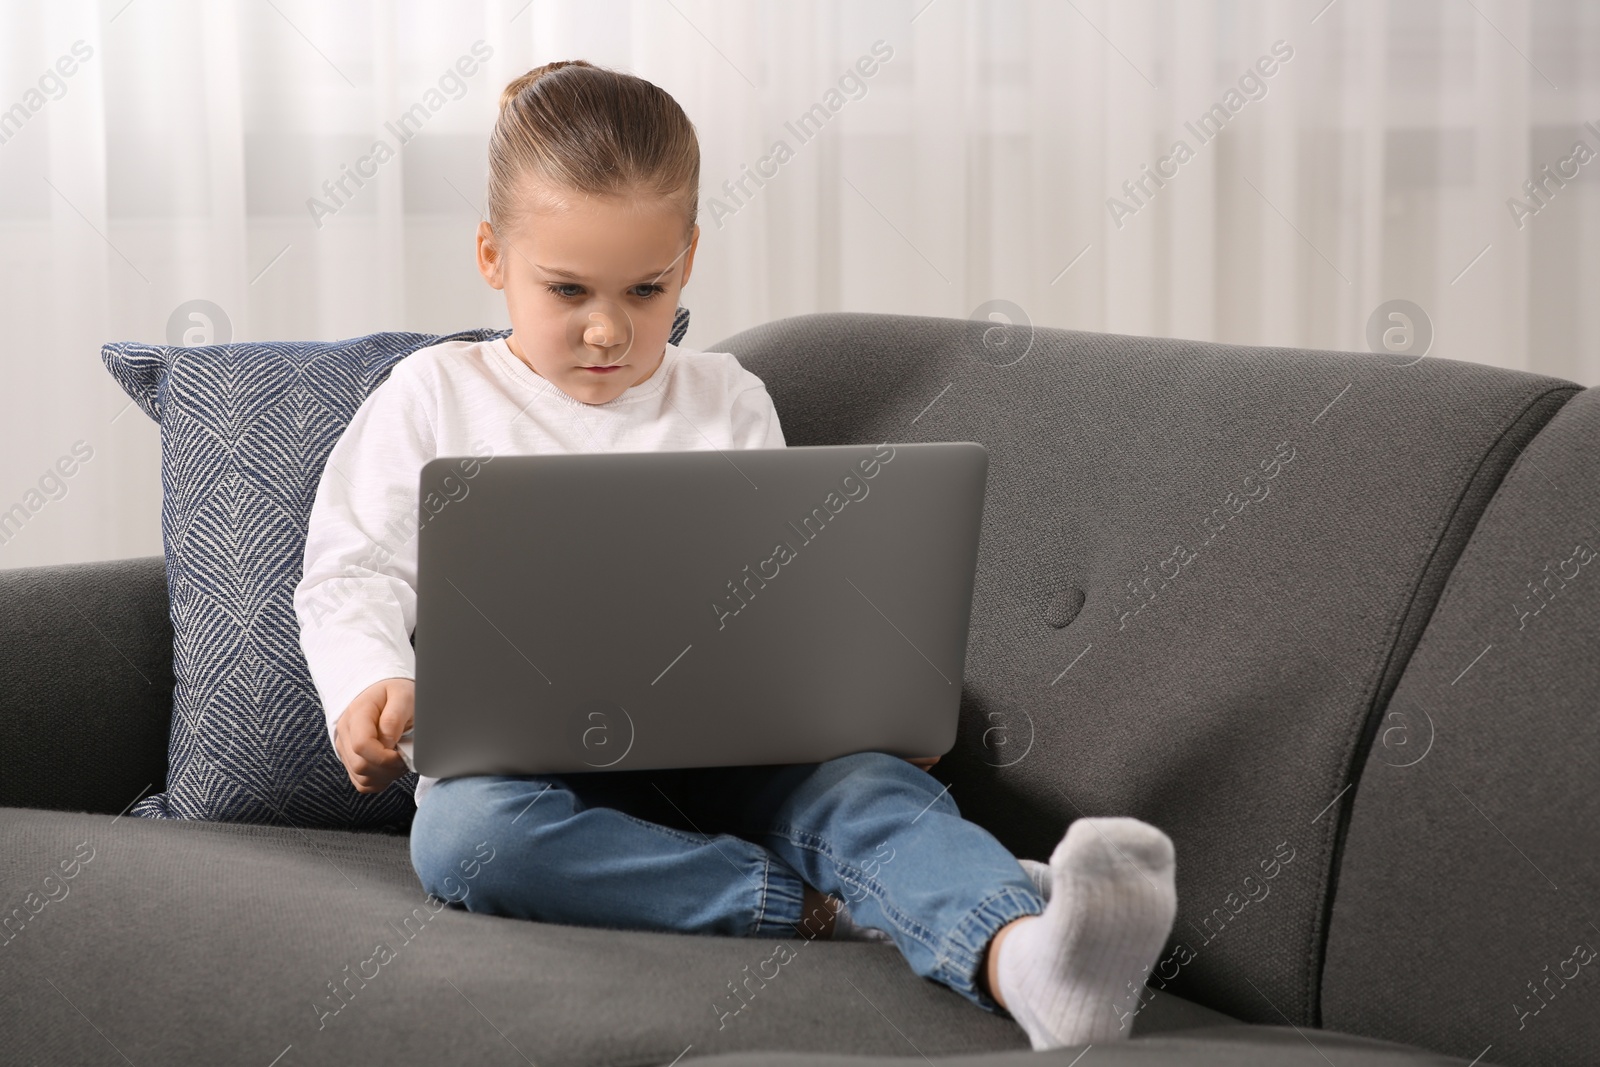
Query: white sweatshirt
x,y
357,600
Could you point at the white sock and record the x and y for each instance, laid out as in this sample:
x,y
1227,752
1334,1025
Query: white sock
x,y
1039,874
845,927
1063,973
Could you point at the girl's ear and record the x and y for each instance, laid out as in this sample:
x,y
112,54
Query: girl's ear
x,y
688,257
491,260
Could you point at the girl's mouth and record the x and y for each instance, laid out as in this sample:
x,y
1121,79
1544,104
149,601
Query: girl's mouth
x,y
603,370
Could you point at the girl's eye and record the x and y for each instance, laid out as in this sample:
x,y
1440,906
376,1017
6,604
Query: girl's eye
x,y
571,291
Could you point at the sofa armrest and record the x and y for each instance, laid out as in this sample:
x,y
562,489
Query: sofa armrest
x,y
85,684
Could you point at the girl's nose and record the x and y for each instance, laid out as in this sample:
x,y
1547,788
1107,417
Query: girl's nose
x,y
598,332
603,331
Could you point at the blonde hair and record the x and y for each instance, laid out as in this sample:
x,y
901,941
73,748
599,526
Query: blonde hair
x,y
587,129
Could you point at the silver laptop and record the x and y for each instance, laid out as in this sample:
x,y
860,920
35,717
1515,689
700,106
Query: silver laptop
x,y
648,610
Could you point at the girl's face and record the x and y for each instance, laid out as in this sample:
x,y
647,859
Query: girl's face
x,y
591,284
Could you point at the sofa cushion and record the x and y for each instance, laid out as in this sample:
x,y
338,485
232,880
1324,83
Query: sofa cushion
x,y
1203,568
245,432
191,942
1464,914
1218,1046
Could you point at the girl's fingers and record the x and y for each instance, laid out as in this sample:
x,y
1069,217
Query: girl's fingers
x,y
371,754
398,712
376,777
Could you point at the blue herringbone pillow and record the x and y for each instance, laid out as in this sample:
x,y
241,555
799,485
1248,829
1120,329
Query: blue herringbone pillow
x,y
245,431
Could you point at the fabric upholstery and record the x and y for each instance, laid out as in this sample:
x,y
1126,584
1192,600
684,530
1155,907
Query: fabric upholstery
x,y
1220,1046
190,942
1473,859
1138,647
245,433
85,684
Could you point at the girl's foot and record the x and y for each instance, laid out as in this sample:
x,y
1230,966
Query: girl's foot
x,y
1062,973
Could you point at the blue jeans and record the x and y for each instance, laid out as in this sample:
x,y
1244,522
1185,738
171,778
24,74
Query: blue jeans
x,y
729,850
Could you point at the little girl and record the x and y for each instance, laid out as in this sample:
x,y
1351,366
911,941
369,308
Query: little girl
x,y
592,197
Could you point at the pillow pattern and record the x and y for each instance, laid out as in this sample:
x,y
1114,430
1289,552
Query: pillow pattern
x,y
246,429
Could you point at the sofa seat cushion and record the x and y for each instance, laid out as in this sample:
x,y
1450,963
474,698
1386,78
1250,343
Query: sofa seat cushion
x,y
1240,1045
192,942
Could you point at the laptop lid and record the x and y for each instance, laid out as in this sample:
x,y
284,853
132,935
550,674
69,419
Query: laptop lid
x,y
646,610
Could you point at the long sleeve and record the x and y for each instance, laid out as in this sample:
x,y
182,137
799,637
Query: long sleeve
x,y
357,601
754,419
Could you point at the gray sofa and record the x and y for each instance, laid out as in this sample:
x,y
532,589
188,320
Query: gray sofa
x,y
1331,620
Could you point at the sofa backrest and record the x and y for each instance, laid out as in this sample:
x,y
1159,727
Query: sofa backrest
x,y
85,684
1203,570
1466,912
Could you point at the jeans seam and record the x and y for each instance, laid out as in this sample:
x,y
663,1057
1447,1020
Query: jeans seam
x,y
766,887
773,863
665,830
900,919
852,876
703,839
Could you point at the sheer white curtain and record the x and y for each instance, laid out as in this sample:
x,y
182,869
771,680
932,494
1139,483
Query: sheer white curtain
x,y
158,152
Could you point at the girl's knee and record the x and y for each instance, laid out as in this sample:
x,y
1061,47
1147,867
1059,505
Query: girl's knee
x,y
882,765
460,827
442,824
856,759
881,773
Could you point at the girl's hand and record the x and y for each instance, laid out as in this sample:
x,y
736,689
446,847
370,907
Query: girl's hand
x,y
366,734
925,762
